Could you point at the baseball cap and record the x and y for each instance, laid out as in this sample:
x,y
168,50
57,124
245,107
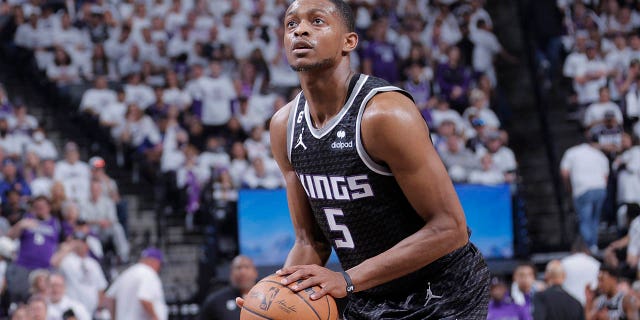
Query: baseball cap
x,y
97,162
153,252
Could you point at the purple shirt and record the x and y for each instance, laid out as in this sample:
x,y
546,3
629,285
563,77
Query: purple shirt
x,y
505,310
447,77
37,246
383,60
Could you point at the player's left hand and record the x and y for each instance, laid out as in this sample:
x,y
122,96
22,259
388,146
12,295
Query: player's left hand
x,y
331,282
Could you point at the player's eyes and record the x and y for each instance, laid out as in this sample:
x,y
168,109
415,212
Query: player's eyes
x,y
291,24
318,21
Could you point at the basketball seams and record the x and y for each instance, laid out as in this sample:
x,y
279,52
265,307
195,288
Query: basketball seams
x,y
255,313
299,296
326,298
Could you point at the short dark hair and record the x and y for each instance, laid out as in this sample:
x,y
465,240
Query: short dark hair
x,y
344,9
612,271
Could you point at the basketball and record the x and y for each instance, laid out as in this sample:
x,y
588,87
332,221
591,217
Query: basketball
x,y
269,299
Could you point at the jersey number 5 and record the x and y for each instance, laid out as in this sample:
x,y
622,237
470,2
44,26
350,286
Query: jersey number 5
x,y
347,240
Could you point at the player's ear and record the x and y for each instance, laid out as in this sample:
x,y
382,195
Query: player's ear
x,y
350,42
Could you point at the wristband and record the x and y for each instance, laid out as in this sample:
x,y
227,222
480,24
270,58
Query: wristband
x,y
350,288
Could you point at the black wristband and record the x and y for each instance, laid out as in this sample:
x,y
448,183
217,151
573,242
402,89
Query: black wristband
x,y
350,288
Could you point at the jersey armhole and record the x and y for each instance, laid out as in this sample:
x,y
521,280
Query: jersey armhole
x,y
291,125
374,166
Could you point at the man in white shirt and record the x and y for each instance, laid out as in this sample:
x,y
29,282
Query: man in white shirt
x,y
41,146
590,76
218,92
100,212
138,92
486,47
59,303
577,57
42,184
73,173
84,277
585,170
595,112
181,44
97,98
137,293
628,167
581,270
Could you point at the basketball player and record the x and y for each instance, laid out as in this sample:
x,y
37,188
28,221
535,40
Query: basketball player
x,y
362,176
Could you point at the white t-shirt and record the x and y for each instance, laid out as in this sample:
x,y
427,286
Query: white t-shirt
x,y
97,99
210,159
490,118
571,64
55,310
44,149
581,269
588,91
41,186
113,113
139,282
75,178
588,168
84,279
629,178
486,46
140,94
216,102
595,113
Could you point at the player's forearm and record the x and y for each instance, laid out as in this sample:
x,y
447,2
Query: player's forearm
x,y
302,254
430,243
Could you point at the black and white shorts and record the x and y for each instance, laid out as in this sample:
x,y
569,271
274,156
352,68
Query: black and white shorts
x,y
459,290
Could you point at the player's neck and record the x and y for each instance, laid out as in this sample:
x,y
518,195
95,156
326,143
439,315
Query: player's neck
x,y
326,91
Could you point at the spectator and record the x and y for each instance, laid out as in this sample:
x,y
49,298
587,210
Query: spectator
x,y
585,171
590,76
138,130
37,308
595,113
633,241
524,285
485,49
73,173
418,85
581,270
480,109
9,142
577,58
502,156
612,303
500,306
218,92
555,303
60,303
114,113
100,213
62,71
627,165
14,208
259,176
454,79
239,163
489,174
41,146
220,305
443,112
214,157
12,181
109,188
138,92
379,57
137,292
96,99
191,176
257,145
20,122
458,159
608,134
83,275
39,234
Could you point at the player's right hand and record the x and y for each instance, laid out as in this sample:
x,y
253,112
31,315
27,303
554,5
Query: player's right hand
x,y
240,302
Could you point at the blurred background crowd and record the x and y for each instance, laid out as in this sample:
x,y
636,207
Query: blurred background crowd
x,y
175,97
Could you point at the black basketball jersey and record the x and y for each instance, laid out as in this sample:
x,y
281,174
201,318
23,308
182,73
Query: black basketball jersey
x,y
356,201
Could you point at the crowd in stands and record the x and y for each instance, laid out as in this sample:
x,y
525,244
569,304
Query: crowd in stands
x,y
185,90
187,87
602,41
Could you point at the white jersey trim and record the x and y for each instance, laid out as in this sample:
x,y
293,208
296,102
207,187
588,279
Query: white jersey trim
x,y
364,156
292,125
319,133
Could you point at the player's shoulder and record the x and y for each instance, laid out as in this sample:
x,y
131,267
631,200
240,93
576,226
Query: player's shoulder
x,y
390,106
281,117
